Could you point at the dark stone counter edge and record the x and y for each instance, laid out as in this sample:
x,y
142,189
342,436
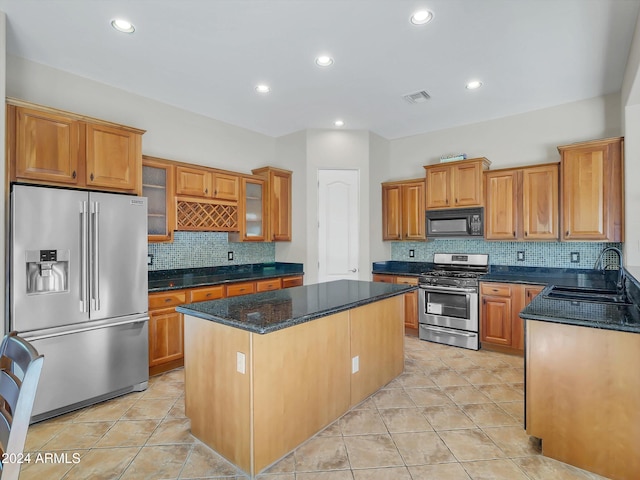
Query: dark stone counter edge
x,y
583,323
249,277
293,321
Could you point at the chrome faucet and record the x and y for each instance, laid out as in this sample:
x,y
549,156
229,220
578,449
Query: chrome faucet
x,y
599,265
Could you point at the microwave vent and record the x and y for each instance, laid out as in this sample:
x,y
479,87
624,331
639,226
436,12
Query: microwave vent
x,y
418,97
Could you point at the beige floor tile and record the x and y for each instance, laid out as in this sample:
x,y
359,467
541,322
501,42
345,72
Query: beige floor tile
x,y
516,361
491,360
396,398
149,408
422,448
277,476
360,422
128,433
393,473
203,462
460,363
465,394
330,475
469,445
40,433
39,467
447,417
428,397
481,376
395,383
434,367
405,420
285,465
442,471
103,464
157,462
320,454
501,392
334,429
415,380
164,390
172,430
177,411
488,415
515,409
510,375
366,404
66,418
78,436
513,441
173,376
494,470
372,451
543,468
106,411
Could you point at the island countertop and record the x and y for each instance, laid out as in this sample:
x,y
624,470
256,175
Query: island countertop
x,y
270,311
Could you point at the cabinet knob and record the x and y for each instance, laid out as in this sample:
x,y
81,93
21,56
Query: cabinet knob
x,y
91,177
447,201
567,232
456,201
167,300
206,190
526,233
514,234
215,192
73,175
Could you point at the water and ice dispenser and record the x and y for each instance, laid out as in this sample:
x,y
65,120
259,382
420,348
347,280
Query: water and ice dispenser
x,y
47,271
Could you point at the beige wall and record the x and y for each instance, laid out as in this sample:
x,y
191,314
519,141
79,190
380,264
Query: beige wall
x,y
4,213
380,171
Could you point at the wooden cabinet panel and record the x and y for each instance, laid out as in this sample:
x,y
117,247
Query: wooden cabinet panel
x,y
157,186
501,205
495,289
46,145
288,282
167,299
391,212
496,320
206,293
279,189
193,182
467,185
241,288
403,207
225,187
165,337
252,211
410,299
114,157
593,190
380,277
268,285
540,202
456,184
438,186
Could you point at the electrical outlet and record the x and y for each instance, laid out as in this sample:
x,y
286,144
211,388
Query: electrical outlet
x,y
521,255
355,364
149,258
240,362
229,256
412,253
575,257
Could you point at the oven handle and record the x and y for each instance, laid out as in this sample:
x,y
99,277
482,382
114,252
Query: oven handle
x,y
449,289
447,332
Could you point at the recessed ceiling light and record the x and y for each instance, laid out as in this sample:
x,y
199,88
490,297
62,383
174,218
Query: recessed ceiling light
x,y
473,85
339,123
263,88
123,26
421,17
324,61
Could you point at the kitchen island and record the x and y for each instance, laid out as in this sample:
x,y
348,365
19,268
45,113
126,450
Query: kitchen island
x,y
265,372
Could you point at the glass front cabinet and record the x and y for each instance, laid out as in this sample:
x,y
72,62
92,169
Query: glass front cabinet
x,y
157,186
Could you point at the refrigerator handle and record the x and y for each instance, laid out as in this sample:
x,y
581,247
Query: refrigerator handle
x,y
83,256
95,256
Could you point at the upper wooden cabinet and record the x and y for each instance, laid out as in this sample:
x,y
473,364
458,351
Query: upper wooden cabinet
x,y
49,146
201,182
455,184
278,203
522,204
403,207
252,211
593,190
157,186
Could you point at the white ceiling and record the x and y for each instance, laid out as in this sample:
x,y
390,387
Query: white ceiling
x,y
207,56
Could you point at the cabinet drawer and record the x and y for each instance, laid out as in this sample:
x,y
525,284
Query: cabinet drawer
x,y
288,282
209,293
236,289
378,277
496,289
267,285
167,299
407,280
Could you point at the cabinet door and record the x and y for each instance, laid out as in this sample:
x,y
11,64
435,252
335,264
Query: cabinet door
x,y
225,187
413,208
467,185
391,213
268,285
540,203
206,293
193,182
165,337
253,210
114,157
244,288
157,186
501,207
438,187
46,146
411,310
496,320
280,202
288,282
380,277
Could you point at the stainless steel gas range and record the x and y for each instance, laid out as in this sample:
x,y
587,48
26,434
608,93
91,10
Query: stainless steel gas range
x,y
448,299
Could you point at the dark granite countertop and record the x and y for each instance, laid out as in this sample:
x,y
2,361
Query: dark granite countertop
x,y
163,280
270,311
575,277
396,267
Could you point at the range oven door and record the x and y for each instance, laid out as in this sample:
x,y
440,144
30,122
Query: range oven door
x,y
449,307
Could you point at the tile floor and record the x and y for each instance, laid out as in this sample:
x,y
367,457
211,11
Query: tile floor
x,y
453,414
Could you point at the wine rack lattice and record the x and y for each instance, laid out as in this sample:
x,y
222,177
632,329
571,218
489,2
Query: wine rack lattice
x,y
206,216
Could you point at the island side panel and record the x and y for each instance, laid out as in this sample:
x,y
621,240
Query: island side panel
x,y
217,396
300,384
583,396
377,339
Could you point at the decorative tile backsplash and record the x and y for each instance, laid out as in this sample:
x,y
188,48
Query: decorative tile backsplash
x,y
207,249
536,254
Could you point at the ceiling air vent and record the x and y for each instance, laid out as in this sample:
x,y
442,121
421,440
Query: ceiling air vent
x,y
418,97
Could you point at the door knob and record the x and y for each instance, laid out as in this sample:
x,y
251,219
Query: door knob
x,y
353,270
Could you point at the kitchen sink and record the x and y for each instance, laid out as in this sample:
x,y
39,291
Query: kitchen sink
x,y
580,294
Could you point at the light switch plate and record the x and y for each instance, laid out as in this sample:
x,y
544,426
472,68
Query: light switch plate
x,y
240,362
149,258
229,256
412,253
355,364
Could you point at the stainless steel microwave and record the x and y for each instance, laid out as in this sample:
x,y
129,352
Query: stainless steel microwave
x,y
455,223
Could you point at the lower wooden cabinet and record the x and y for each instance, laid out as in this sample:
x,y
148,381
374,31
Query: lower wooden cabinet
x,y
410,299
165,337
501,327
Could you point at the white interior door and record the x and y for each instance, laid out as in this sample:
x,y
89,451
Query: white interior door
x,y
338,232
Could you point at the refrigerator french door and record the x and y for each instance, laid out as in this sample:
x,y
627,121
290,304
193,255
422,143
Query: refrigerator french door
x,y
78,292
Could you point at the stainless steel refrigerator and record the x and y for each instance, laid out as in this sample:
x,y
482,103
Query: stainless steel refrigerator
x,y
78,292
